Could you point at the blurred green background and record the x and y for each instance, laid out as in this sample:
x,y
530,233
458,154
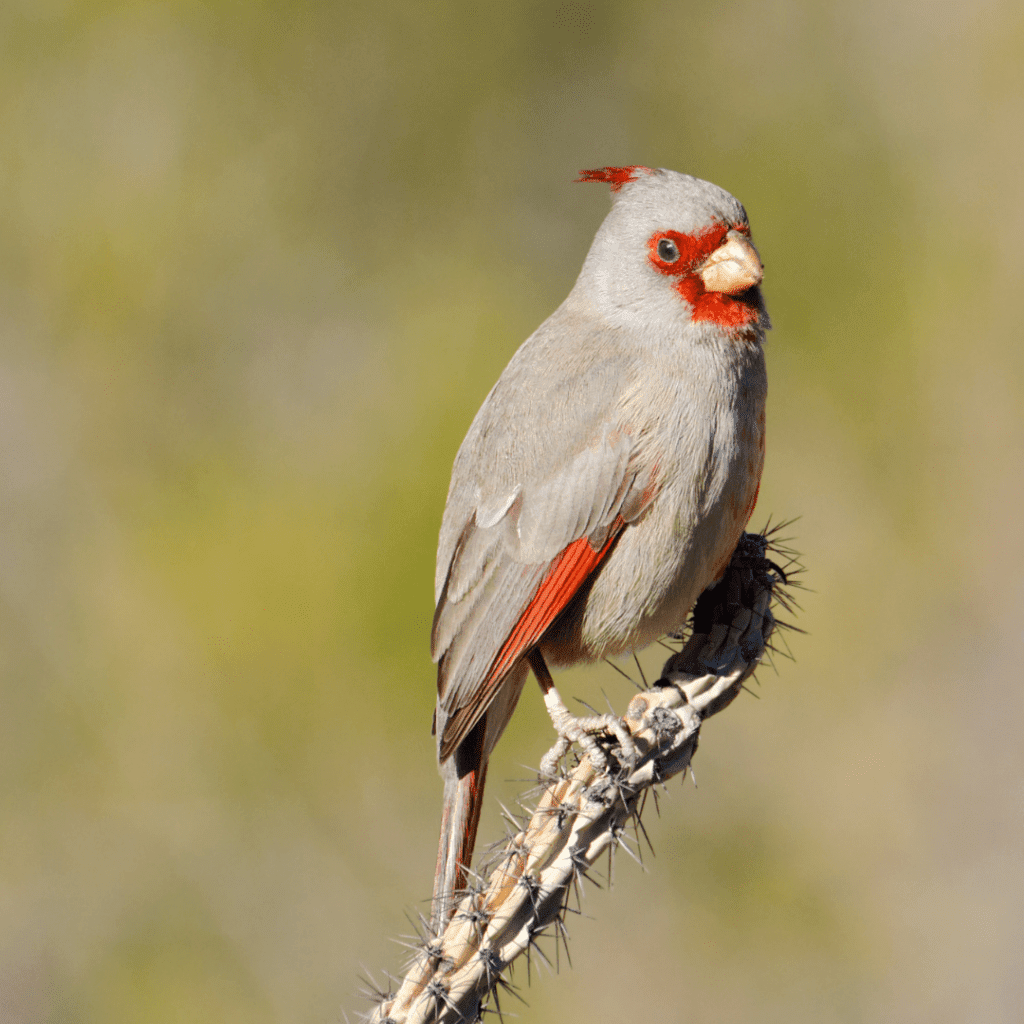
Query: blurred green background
x,y
259,264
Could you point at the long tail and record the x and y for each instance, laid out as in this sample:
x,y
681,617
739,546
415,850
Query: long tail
x,y
464,774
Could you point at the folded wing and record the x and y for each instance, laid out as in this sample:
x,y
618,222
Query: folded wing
x,y
520,558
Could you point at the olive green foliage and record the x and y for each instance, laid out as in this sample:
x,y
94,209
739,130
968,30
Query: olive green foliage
x,y
260,263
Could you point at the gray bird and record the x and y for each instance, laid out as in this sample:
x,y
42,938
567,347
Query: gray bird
x,y
607,477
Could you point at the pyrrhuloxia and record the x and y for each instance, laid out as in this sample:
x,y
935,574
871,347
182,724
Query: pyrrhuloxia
x,y
607,477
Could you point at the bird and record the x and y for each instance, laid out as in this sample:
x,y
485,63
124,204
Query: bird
x,y
606,479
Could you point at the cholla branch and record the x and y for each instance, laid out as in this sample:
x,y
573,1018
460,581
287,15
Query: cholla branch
x,y
584,814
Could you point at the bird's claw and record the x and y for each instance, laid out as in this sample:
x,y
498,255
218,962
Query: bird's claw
x,y
573,729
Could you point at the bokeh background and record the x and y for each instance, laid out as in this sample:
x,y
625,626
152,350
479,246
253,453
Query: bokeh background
x,y
259,264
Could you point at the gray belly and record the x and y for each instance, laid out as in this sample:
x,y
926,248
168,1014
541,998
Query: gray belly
x,y
660,564
709,445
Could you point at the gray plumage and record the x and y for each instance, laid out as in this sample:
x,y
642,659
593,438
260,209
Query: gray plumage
x,y
628,417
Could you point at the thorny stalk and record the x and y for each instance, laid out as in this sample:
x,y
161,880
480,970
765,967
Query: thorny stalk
x,y
458,975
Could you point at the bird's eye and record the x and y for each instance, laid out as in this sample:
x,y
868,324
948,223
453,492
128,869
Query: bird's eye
x,y
668,251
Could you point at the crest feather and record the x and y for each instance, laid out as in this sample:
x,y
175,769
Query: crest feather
x,y
615,176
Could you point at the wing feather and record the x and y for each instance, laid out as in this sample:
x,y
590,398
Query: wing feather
x,y
563,578
508,580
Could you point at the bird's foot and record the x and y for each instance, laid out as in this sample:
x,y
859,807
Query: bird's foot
x,y
573,729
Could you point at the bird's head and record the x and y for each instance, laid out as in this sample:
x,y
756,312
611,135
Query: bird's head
x,y
675,249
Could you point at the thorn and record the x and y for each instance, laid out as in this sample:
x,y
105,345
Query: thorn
x,y
497,1007
580,871
564,812
528,953
417,950
787,653
622,840
372,992
493,968
511,818
436,991
512,990
478,884
577,886
640,669
624,673
533,888
532,943
791,627
640,826
421,929
476,916
530,778
562,932
657,803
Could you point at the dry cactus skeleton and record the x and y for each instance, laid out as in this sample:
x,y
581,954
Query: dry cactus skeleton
x,y
584,814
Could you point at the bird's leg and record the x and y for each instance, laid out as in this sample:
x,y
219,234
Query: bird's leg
x,y
573,729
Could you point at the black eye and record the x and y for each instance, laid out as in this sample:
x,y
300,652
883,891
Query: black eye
x,y
667,250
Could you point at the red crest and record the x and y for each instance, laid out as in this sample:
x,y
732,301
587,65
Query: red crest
x,y
615,176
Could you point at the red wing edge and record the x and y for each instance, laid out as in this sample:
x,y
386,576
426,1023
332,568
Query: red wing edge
x,y
567,573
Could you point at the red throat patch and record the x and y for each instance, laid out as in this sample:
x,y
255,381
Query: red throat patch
x,y
714,307
615,176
